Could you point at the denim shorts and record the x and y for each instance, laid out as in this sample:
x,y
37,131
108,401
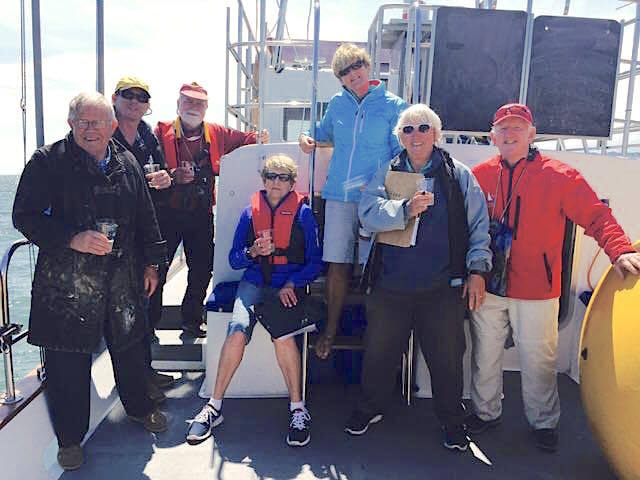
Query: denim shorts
x,y
341,234
243,318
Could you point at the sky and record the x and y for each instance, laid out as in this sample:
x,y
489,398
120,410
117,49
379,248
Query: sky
x,y
169,43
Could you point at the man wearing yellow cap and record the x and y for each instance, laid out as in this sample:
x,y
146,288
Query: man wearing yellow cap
x,y
131,102
192,149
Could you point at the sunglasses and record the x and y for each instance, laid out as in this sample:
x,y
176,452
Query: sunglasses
x,y
85,124
283,177
354,66
408,129
129,95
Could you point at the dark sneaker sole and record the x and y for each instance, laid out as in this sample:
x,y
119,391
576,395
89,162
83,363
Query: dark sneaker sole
x,y
70,467
375,419
195,439
487,425
455,446
546,448
153,428
297,443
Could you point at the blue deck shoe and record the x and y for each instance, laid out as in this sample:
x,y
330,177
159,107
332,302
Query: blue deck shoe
x,y
203,424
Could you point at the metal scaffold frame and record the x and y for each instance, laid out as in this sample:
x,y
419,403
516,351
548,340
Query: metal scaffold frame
x,y
250,57
418,23
627,125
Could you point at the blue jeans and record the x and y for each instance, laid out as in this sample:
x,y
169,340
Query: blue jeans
x,y
243,318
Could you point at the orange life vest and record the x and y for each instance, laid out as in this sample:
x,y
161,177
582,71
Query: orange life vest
x,y
171,132
280,220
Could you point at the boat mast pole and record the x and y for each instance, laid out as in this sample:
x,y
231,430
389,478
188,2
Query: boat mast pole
x,y
314,94
417,37
100,46
312,162
37,70
263,64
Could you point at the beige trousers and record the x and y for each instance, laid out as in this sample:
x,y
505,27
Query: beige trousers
x,y
535,333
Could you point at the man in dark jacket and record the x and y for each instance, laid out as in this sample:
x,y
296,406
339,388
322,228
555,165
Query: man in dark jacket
x,y
88,286
131,102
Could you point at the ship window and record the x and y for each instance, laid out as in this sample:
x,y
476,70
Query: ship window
x,y
297,119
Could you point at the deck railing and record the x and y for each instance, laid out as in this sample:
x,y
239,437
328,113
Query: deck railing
x,y
10,333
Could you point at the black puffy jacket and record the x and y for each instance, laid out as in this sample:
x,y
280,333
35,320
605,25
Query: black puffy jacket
x,y
78,297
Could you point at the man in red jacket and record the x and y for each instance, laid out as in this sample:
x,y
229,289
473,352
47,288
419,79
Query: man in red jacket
x,y
529,197
192,150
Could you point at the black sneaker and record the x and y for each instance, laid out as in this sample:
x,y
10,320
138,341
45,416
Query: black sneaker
x,y
154,393
203,424
546,439
161,380
455,438
299,434
194,331
359,422
476,425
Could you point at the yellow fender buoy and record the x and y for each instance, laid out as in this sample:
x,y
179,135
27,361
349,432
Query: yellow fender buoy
x,y
610,370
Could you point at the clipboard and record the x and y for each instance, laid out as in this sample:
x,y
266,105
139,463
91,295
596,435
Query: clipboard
x,y
401,186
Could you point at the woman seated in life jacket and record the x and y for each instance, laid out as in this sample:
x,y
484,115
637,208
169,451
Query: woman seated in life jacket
x,y
276,243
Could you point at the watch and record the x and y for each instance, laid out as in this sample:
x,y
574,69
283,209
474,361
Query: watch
x,y
155,266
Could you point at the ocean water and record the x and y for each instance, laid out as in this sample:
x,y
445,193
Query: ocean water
x,y
25,357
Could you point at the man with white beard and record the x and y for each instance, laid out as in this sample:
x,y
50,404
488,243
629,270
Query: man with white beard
x,y
192,150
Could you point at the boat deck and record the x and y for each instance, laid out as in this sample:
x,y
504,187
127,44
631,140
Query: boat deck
x,y
405,445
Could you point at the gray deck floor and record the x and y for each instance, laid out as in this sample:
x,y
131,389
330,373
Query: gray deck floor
x,y
406,445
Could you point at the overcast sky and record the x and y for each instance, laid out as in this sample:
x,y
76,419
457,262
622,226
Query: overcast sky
x,y
168,43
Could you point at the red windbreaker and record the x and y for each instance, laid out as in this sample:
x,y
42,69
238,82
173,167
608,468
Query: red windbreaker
x,y
544,193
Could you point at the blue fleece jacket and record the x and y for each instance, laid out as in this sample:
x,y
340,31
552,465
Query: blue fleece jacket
x,y
299,275
362,138
378,213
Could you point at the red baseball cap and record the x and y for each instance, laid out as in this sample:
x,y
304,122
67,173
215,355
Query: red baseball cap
x,y
194,90
513,110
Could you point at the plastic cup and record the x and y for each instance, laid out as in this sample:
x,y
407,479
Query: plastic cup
x,y
108,228
151,168
267,234
425,184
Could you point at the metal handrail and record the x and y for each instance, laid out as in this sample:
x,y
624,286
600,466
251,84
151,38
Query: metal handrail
x,y
7,329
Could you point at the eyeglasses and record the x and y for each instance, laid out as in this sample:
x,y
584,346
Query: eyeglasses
x,y
194,102
354,66
129,95
85,124
283,177
408,129
500,129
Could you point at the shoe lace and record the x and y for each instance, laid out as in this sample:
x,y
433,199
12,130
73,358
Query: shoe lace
x,y
205,414
299,419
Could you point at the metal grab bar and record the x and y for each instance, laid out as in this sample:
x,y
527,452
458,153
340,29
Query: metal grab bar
x,y
7,329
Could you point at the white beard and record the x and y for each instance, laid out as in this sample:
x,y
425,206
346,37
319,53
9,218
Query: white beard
x,y
190,122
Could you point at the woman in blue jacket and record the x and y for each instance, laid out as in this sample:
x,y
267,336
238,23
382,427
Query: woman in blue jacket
x,y
359,123
276,242
423,287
